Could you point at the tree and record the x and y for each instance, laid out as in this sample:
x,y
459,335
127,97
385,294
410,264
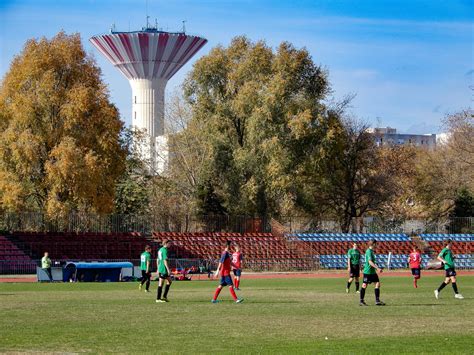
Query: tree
x,y
463,204
460,126
173,195
352,181
441,175
401,162
132,191
463,207
59,134
262,114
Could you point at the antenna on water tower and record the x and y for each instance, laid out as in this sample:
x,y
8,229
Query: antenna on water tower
x,y
147,17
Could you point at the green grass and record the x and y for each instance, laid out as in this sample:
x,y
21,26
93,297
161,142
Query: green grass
x,y
278,316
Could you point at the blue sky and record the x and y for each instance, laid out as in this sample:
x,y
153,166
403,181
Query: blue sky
x,y
408,61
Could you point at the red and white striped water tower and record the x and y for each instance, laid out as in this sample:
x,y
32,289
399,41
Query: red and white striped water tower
x,y
148,59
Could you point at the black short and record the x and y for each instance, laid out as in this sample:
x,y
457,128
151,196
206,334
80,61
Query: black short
x,y
163,276
146,275
450,272
369,278
354,271
416,271
226,281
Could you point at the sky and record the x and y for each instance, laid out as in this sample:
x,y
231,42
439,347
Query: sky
x,y
408,62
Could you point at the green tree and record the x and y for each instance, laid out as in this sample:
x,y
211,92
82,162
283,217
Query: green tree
x,y
59,134
132,192
463,207
443,173
354,179
262,114
463,204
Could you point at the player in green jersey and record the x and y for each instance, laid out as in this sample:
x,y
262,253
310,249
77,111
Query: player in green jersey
x,y
145,266
370,275
164,272
353,266
447,258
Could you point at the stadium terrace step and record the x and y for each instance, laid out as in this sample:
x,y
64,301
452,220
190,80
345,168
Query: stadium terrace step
x,y
350,237
339,261
433,237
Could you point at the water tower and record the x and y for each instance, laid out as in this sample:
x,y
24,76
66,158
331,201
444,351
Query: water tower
x,y
148,59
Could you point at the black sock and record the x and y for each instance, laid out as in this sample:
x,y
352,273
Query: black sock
x,y
377,294
362,293
348,284
159,292
443,285
167,288
147,287
357,286
455,288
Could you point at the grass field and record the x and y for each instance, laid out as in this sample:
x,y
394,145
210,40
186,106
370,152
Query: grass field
x,y
278,316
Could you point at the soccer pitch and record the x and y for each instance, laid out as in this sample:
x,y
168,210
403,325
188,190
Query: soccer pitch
x,y
278,316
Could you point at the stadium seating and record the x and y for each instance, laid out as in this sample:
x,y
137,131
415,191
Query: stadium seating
x,y
10,251
351,237
13,258
83,246
457,247
463,261
430,237
338,247
297,250
332,247
209,245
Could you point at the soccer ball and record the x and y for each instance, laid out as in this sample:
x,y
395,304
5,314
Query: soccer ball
x,y
434,264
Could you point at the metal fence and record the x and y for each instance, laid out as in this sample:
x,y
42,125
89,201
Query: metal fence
x,y
289,265
14,267
26,267
381,225
116,223
206,267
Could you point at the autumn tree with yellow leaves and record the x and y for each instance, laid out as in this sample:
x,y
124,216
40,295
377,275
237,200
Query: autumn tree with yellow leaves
x,y
59,133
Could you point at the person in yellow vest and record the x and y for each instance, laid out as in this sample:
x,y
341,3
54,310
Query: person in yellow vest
x,y
46,265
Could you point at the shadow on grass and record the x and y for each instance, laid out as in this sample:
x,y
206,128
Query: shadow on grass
x,y
245,301
418,304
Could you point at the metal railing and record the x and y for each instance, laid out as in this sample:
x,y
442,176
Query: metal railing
x,y
21,267
26,267
203,266
117,223
380,225
290,265
13,267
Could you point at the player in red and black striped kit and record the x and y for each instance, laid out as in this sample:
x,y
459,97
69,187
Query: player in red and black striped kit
x,y
224,268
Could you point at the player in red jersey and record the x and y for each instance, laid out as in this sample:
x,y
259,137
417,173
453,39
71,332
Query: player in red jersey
x,y
223,268
237,266
414,259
